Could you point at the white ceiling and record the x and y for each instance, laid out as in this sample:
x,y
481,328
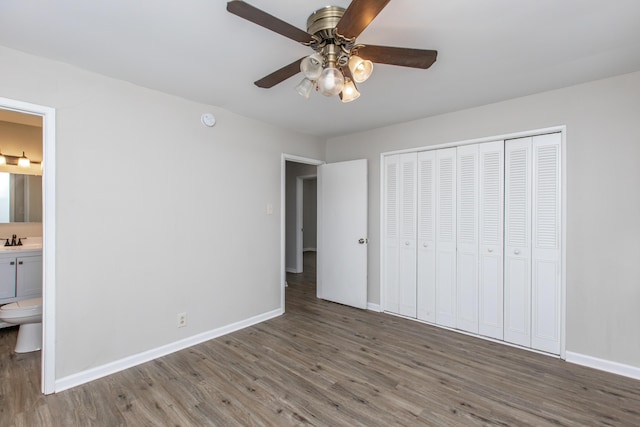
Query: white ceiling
x,y
489,50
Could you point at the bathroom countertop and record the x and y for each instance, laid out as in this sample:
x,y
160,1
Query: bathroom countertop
x,y
13,250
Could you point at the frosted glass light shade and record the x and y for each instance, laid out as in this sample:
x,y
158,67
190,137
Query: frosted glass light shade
x,y
3,159
349,92
311,66
23,161
304,87
331,82
360,68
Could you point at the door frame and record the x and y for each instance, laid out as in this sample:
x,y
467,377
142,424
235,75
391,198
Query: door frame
x,y
48,115
562,129
283,220
299,219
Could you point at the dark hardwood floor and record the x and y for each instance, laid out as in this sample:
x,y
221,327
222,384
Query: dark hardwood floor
x,y
326,364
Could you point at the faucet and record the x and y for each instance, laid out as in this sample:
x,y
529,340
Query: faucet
x,y
13,240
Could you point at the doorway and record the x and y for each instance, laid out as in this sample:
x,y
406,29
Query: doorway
x,y
47,117
295,171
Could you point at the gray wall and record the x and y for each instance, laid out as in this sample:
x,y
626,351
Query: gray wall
x,y
153,214
603,200
294,170
310,214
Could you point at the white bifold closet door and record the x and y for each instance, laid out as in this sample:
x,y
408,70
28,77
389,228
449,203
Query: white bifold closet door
x,y
532,272
480,185
391,233
427,236
517,242
491,213
467,239
446,160
400,234
546,238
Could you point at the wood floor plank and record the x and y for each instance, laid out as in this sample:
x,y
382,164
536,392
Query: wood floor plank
x,y
324,364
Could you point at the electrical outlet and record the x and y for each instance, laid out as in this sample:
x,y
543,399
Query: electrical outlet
x,y
182,320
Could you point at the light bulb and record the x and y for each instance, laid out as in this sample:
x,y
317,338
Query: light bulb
x,y
330,82
304,87
23,161
311,66
360,68
3,159
349,92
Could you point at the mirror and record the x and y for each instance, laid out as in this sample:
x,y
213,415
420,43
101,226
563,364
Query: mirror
x,y
20,198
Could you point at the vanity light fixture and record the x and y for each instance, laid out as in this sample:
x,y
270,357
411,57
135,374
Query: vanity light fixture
x,y
22,161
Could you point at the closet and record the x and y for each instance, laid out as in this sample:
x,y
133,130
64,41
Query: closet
x,y
471,239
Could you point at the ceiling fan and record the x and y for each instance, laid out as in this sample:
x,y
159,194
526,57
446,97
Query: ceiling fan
x,y
338,62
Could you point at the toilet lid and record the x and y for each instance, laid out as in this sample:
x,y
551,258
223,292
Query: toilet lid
x,y
21,305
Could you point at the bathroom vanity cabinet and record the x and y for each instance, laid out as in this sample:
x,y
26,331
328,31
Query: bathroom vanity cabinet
x,y
20,274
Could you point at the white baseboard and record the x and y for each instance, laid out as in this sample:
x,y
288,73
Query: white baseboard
x,y
374,307
309,250
146,356
603,365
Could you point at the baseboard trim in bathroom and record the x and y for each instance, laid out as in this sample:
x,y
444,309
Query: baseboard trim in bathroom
x,y
603,365
374,307
146,356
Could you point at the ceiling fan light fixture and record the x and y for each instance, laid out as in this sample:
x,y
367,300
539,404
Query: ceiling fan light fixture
x,y
305,87
349,92
361,69
331,82
311,66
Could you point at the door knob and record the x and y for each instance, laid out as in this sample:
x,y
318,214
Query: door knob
x,y
406,243
425,245
517,252
490,250
363,241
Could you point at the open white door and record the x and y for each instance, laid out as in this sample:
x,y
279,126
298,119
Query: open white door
x,y
342,235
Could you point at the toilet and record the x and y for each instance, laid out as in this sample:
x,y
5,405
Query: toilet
x,y
28,314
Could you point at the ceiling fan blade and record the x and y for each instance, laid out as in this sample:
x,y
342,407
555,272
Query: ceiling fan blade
x,y
405,57
358,16
280,75
257,16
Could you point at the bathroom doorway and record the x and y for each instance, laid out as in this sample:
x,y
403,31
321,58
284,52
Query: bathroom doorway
x,y
33,115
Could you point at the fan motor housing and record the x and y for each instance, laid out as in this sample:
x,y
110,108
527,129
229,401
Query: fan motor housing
x,y
323,21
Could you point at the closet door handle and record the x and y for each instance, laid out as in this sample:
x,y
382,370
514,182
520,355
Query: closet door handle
x,y
425,245
406,243
517,252
490,250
